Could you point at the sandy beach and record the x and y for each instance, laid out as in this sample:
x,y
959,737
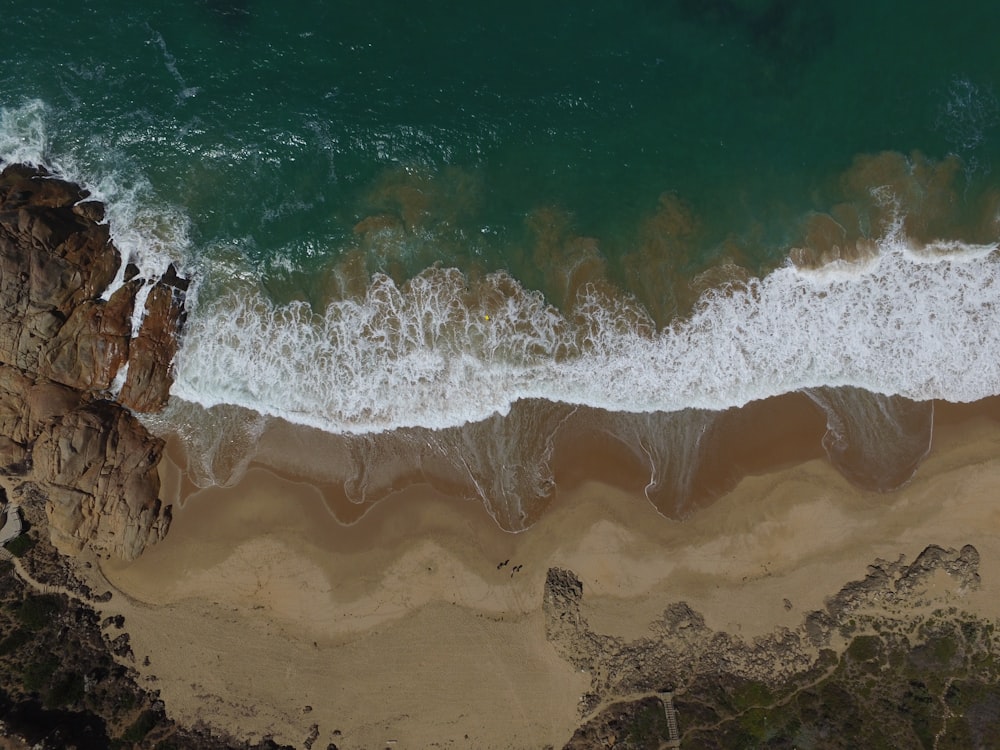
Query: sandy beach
x,y
262,614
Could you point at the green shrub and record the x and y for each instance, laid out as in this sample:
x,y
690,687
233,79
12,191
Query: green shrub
x,y
19,545
865,648
14,641
648,727
141,727
36,612
37,675
752,694
66,691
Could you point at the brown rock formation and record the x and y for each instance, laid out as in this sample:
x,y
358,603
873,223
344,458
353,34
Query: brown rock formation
x,y
61,348
147,383
681,652
92,345
100,466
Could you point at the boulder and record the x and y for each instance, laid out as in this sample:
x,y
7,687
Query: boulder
x,y
13,456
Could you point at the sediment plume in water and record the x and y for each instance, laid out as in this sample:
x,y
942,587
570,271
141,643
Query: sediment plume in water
x,y
481,386
471,380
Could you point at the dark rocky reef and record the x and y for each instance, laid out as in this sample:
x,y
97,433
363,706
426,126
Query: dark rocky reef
x,y
61,349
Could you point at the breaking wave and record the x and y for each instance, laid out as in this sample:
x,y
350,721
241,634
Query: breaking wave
x,y
148,232
441,350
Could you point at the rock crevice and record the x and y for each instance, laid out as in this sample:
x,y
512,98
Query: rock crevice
x,y
62,346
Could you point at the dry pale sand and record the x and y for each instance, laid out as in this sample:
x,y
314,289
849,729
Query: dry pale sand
x,y
261,614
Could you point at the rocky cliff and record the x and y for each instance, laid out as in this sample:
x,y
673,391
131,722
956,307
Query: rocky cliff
x,y
62,347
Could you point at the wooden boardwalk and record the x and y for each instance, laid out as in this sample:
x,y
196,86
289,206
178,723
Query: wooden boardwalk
x,y
671,713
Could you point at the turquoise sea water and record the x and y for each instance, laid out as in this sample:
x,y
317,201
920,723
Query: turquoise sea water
x,y
276,127
587,169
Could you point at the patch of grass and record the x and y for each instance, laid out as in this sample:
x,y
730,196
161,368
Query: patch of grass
x,y
14,641
751,694
36,612
141,727
754,721
19,545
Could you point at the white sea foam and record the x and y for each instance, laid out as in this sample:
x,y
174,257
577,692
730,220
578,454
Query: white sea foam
x,y
918,324
23,137
170,63
148,232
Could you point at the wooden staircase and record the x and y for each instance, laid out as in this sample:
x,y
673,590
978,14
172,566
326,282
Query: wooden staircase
x,y
671,713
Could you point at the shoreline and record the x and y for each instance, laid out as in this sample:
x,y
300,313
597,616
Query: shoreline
x,y
694,457
404,615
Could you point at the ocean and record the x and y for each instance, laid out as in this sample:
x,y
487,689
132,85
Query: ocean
x,y
444,236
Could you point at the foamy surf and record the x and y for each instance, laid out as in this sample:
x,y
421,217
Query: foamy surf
x,y
439,352
148,233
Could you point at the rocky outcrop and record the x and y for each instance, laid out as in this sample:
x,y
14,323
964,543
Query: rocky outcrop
x,y
100,464
93,344
55,257
682,651
147,383
565,627
62,347
895,586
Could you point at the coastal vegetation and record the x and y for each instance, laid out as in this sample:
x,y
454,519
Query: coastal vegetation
x,y
882,666
938,687
66,677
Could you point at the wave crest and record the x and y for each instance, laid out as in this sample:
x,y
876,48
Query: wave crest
x,y
443,350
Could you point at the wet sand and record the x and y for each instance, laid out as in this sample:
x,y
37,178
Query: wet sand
x,y
262,614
